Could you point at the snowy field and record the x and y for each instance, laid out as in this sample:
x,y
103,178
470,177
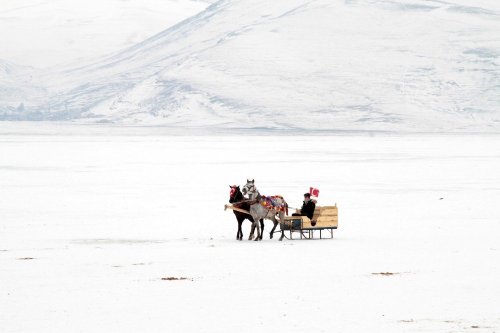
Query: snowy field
x,y
106,216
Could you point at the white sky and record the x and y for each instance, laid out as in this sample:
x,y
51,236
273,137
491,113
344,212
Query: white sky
x,y
45,33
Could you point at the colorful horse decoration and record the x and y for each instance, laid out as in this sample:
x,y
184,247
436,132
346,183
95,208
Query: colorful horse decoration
x,y
275,202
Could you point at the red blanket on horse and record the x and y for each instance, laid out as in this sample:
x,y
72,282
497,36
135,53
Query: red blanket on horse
x,y
271,202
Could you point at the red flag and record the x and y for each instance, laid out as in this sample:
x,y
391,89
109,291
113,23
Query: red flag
x,y
314,192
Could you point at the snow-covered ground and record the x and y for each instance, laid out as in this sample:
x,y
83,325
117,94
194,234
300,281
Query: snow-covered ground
x,y
106,216
359,65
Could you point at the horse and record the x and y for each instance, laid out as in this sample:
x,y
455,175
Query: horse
x,y
235,196
259,211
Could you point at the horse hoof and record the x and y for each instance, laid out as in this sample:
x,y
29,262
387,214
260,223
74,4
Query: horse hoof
x,y
271,236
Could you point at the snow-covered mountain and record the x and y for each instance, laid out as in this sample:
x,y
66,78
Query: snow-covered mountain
x,y
423,65
16,88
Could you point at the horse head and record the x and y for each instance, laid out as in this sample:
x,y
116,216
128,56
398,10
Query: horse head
x,y
250,189
235,194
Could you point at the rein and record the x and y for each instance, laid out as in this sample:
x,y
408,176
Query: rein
x,y
252,201
236,203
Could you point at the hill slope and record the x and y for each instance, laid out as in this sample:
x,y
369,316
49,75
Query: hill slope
x,y
17,88
351,65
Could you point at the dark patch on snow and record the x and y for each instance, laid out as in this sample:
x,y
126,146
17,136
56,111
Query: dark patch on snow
x,y
406,321
386,273
173,278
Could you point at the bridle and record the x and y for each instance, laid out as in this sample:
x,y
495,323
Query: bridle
x,y
234,193
251,190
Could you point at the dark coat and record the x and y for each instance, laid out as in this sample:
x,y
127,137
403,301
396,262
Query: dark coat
x,y
308,209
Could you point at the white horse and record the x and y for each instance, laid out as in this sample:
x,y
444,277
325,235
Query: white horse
x,y
259,211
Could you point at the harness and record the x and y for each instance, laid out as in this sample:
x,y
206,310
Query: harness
x,y
272,202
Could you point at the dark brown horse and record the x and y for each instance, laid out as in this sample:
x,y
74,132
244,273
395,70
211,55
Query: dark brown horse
x,y
235,198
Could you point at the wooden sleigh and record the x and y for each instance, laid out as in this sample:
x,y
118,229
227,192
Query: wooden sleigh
x,y
325,218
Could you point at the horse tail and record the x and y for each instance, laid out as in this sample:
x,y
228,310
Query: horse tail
x,y
286,208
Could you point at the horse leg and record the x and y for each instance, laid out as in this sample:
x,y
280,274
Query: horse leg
x,y
252,219
256,224
250,237
262,228
274,228
239,235
282,221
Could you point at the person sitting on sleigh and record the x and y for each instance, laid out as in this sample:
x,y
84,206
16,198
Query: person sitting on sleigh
x,y
308,207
